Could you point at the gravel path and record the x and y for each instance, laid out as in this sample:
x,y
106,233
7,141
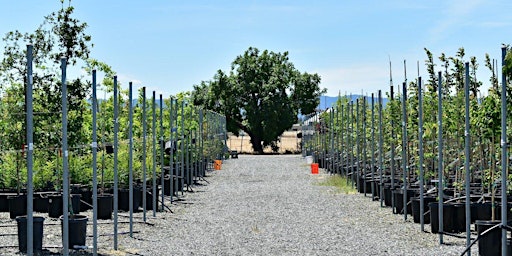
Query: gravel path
x,y
268,205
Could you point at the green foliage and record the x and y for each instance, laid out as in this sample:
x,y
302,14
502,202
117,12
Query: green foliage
x,y
261,96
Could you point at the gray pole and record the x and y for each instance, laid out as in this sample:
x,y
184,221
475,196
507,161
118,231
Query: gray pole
x,y
153,131
351,139
392,146
466,161
144,156
65,171
30,153
373,146
364,144
440,154
162,144
331,115
351,142
94,166
182,145
358,156
404,145
340,143
116,146
420,145
381,142
504,164
130,155
201,141
347,141
172,180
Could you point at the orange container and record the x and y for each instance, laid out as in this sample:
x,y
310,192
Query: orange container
x,y
314,168
217,164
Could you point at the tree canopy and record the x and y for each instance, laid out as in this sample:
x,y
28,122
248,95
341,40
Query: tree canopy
x,y
262,95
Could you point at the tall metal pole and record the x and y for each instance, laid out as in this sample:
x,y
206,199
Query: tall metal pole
x,y
364,144
347,140
504,146
381,162
65,169
404,145
153,131
392,146
162,145
182,137
116,168
94,167
173,145
351,143
420,145
340,138
144,155
201,145
373,146
466,161
331,115
358,156
30,152
440,154
130,155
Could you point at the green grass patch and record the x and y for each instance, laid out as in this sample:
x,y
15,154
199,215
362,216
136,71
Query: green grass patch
x,y
339,182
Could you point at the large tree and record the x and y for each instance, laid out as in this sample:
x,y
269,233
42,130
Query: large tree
x,y
262,95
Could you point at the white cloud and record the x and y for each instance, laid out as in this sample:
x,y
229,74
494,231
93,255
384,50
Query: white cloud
x,y
355,79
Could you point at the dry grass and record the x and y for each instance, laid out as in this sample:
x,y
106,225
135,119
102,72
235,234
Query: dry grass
x,y
339,182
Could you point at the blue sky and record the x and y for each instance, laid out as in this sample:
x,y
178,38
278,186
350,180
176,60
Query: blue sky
x,y
169,46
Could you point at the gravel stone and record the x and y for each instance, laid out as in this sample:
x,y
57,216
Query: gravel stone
x,y
258,205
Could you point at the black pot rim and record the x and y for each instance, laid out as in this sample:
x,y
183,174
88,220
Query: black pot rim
x,y
487,222
24,218
76,217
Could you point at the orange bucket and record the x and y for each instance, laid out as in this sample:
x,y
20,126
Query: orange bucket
x,y
314,168
217,164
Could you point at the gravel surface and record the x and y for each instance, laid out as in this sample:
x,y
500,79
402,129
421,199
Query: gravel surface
x,y
261,205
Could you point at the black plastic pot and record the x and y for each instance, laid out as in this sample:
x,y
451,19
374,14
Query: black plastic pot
x,y
75,203
86,199
149,199
4,203
41,204
37,235
364,184
454,217
105,203
376,189
482,211
490,243
167,186
415,201
17,206
387,195
124,201
77,230
55,209
399,200
434,218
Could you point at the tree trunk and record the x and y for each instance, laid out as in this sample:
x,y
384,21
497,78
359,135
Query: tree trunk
x,y
256,144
